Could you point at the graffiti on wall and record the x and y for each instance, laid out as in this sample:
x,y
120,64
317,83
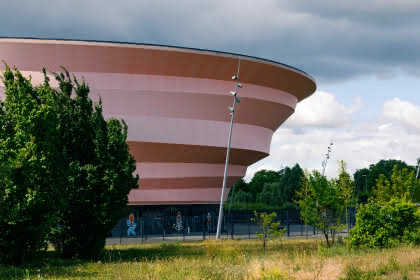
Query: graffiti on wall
x,y
131,231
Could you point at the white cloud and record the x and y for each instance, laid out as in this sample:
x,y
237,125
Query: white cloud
x,y
360,144
402,112
322,110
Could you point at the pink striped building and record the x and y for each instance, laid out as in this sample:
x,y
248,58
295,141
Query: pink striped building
x,y
175,102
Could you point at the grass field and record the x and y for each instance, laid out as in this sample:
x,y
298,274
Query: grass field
x,y
294,259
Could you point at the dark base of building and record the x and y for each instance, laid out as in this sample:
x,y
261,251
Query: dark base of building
x,y
143,220
173,210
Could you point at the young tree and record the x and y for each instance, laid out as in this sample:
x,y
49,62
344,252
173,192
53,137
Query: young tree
x,y
402,185
31,166
321,204
269,228
345,186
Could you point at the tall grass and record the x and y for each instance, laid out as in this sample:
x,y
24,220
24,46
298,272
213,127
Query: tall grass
x,y
294,259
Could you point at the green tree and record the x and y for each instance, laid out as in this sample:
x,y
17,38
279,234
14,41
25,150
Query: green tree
x,y
99,172
280,190
269,194
402,185
240,186
31,166
270,229
290,182
365,179
321,204
260,179
345,186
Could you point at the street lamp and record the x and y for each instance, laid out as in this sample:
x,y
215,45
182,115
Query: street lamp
x,y
232,114
327,156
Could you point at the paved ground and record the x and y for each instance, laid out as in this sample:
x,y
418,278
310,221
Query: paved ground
x,y
149,239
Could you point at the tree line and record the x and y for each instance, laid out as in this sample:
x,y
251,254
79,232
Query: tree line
x,y
388,213
270,189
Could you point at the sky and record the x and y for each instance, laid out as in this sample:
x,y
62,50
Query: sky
x,y
363,54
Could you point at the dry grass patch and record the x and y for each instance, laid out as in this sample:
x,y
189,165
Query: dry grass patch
x,y
295,259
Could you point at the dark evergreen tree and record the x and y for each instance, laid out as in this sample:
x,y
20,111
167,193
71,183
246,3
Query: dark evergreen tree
x,y
61,163
99,172
260,178
31,167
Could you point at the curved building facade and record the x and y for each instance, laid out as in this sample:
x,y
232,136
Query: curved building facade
x,y
175,103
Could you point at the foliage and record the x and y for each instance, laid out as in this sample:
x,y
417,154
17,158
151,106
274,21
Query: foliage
x,y
322,204
260,179
385,225
55,142
365,178
345,184
99,172
273,188
239,206
402,185
390,216
345,187
240,186
269,228
30,166
242,197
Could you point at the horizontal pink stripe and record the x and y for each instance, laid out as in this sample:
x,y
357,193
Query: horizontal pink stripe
x,y
181,170
197,132
101,55
116,83
172,196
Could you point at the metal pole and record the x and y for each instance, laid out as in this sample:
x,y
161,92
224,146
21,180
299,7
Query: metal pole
x,y
230,207
418,167
231,198
235,100
365,182
219,222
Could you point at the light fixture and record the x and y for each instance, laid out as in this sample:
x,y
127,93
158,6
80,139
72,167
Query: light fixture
x,y
232,114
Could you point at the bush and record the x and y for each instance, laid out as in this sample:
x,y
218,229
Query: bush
x,y
61,165
385,225
30,167
99,172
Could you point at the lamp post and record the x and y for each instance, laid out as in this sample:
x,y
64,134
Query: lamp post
x,y
327,156
232,114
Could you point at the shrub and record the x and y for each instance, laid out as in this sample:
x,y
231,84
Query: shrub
x,y
385,225
61,163
99,172
30,167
